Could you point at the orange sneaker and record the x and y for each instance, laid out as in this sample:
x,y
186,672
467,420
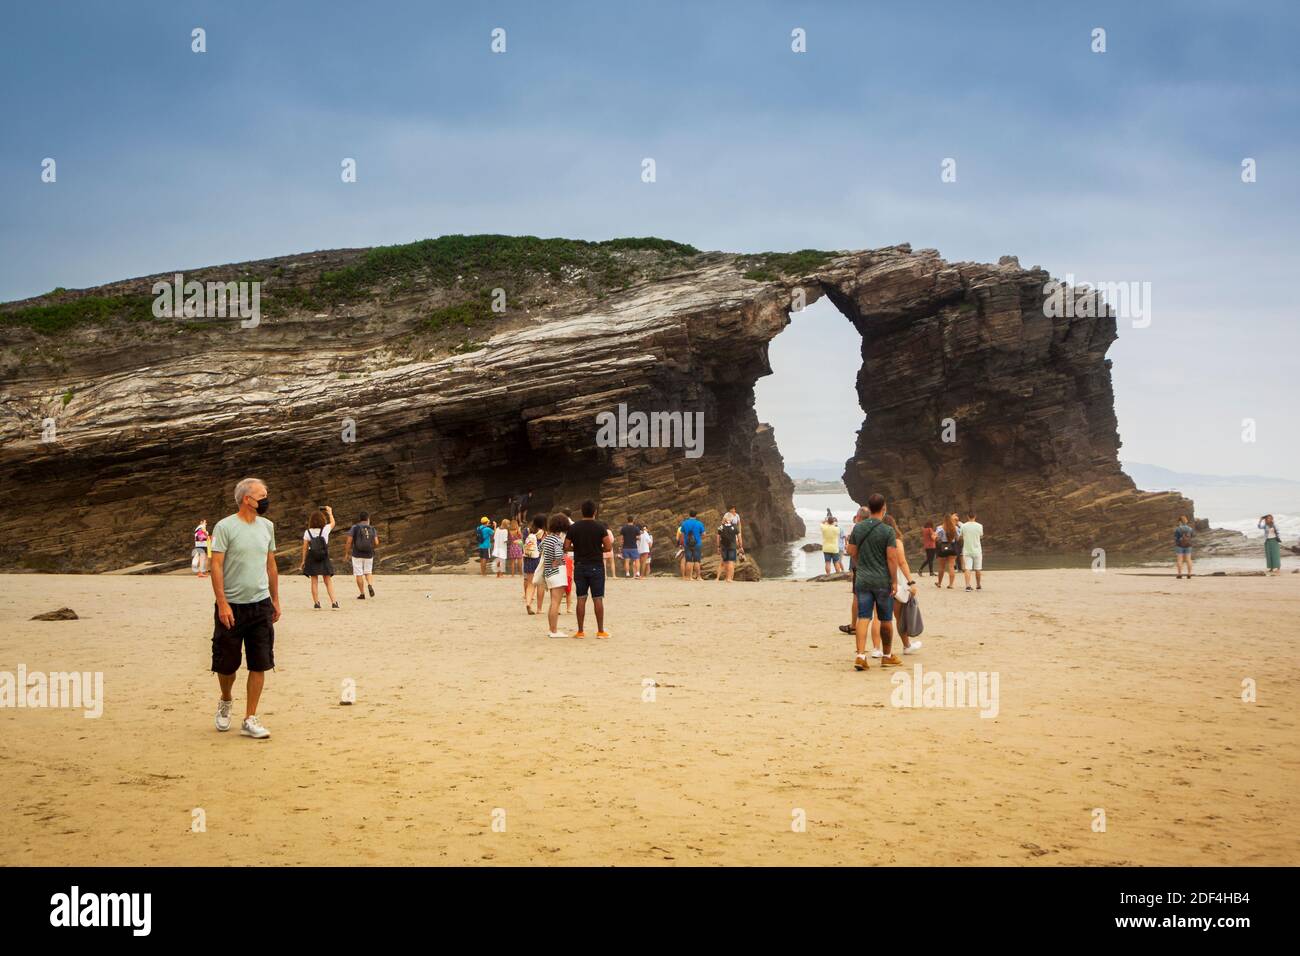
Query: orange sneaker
x,y
604,635
860,663
893,660
580,634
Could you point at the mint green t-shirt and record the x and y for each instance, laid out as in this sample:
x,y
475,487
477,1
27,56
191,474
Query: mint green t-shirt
x,y
245,546
971,534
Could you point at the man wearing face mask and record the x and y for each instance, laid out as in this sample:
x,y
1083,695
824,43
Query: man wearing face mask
x,y
247,588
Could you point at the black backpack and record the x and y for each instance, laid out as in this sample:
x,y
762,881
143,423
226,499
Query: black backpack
x,y
363,541
317,547
727,534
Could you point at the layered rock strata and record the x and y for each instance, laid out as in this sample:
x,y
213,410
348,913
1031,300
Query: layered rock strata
x,y
116,437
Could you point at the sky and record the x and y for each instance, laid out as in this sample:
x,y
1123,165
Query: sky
x,y
1122,166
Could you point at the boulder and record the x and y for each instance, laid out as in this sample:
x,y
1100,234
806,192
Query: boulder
x,y
62,614
747,568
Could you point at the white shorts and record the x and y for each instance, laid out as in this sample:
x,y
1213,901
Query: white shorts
x,y
557,579
973,562
362,566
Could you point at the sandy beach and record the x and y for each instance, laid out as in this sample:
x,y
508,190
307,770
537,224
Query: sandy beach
x,y
1116,691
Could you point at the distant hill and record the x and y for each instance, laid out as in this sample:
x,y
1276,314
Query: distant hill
x,y
818,469
1155,478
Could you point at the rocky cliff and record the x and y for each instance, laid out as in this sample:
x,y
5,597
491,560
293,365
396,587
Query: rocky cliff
x,y
427,383
977,399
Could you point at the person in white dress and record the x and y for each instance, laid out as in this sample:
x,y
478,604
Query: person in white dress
x,y
500,546
643,544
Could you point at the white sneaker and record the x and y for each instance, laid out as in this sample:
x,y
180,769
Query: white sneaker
x,y
223,714
557,634
875,652
252,727
912,648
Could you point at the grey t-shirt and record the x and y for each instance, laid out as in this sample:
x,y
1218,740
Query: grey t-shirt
x,y
245,545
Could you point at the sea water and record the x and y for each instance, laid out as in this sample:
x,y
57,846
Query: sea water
x,y
791,561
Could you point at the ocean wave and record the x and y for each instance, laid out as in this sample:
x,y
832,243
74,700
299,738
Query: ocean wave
x,y
1288,525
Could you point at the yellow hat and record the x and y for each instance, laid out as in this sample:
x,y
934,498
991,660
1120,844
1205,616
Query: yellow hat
x,y
483,521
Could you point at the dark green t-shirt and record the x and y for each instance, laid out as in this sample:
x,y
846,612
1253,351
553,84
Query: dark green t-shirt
x,y
873,539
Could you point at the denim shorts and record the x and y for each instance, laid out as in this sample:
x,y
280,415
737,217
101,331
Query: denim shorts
x,y
1183,552
589,577
692,553
880,599
728,554
630,554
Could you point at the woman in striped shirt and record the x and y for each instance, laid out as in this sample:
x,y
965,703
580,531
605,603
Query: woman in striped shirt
x,y
554,576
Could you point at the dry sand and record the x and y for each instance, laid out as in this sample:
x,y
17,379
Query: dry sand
x,y
1119,692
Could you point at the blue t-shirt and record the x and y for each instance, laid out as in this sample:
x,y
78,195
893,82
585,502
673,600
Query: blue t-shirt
x,y
693,531
485,536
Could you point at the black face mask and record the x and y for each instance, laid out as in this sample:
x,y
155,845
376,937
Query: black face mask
x,y
264,505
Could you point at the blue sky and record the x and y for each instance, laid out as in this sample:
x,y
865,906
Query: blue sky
x,y
1122,166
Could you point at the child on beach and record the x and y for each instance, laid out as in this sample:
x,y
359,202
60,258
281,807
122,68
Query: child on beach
x,y
554,578
643,545
515,549
532,557
568,572
201,550
500,546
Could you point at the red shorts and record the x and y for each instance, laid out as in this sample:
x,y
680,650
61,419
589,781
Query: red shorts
x,y
568,570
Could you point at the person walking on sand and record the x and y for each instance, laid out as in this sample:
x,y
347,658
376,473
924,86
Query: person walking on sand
x,y
831,544
643,545
532,559
246,585
588,539
315,563
873,545
199,552
500,547
862,515
948,542
905,592
1183,535
972,550
930,545
359,547
726,539
554,578
1272,545
693,546
631,534
483,541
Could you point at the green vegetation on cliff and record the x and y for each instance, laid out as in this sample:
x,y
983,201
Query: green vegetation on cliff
x,y
770,266
92,309
518,260
468,264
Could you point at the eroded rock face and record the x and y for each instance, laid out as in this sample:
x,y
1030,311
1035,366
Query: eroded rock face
x,y
965,352
154,424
